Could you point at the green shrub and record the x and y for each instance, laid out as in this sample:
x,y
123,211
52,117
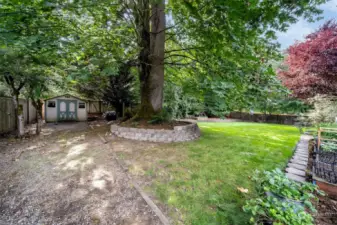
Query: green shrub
x,y
129,113
281,200
325,109
162,117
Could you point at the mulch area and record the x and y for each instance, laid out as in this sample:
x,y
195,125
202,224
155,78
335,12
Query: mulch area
x,y
326,211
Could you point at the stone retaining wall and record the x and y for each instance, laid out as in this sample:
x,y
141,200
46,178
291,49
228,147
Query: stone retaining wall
x,y
178,134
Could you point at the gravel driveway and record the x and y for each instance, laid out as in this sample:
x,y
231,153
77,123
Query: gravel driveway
x,y
67,176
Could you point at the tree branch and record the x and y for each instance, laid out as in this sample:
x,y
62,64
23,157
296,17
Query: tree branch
x,y
167,28
179,55
182,49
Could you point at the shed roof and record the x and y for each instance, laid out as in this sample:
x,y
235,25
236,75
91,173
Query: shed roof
x,y
67,96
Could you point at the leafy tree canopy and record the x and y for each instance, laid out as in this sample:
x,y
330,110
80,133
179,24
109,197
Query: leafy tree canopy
x,y
212,40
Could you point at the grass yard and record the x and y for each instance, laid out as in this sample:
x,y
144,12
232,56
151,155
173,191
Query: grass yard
x,y
199,185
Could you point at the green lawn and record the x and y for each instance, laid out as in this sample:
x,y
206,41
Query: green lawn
x,y
201,188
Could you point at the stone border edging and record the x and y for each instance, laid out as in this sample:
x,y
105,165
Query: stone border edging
x,y
178,134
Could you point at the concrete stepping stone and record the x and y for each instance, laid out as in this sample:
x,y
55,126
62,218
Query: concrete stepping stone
x,y
296,161
296,171
302,152
297,166
295,177
304,159
301,155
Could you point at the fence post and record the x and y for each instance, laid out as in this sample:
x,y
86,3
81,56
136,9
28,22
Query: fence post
x,y
319,138
28,121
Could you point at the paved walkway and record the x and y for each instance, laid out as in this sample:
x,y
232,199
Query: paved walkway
x,y
298,163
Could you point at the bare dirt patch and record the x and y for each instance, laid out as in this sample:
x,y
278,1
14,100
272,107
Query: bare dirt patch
x,y
67,177
326,211
144,160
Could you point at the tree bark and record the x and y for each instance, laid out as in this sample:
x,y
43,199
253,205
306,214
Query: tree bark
x,y
39,121
151,57
38,107
18,115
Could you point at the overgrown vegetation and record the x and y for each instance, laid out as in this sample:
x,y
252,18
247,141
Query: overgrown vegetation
x,y
280,200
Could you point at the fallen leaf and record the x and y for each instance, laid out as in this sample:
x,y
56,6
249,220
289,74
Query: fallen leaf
x,y
242,190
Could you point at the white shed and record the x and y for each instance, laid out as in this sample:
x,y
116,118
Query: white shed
x,y
65,108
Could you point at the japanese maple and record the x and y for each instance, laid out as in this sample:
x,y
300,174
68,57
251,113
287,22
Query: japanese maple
x,y
311,65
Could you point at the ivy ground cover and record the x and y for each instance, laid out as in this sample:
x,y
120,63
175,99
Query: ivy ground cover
x,y
198,181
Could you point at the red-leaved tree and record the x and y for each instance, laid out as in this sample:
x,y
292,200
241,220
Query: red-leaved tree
x,y
310,67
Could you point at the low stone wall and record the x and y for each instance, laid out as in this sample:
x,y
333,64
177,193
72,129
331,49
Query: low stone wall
x,y
178,134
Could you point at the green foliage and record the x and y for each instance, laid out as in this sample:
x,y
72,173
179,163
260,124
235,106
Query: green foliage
x,y
286,201
279,212
180,103
328,146
325,109
162,117
129,113
222,42
120,92
4,90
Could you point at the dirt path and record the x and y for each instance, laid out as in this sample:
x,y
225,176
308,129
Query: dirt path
x,y
67,177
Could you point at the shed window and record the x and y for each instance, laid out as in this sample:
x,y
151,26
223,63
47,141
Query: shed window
x,y
81,105
51,104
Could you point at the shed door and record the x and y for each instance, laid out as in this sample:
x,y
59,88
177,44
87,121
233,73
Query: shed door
x,y
67,110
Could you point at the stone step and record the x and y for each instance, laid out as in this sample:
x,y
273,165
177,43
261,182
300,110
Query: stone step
x,y
300,157
295,177
297,166
296,171
301,154
300,145
296,161
304,159
301,151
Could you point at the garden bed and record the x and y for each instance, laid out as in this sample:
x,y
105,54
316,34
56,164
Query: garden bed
x,y
182,131
326,211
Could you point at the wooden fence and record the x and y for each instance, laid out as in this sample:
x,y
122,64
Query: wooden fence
x,y
7,118
7,115
96,107
258,117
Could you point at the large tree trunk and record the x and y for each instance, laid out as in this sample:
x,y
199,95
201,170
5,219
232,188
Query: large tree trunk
x,y
151,57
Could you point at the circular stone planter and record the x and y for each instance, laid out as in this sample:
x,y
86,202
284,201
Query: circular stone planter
x,y
187,132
